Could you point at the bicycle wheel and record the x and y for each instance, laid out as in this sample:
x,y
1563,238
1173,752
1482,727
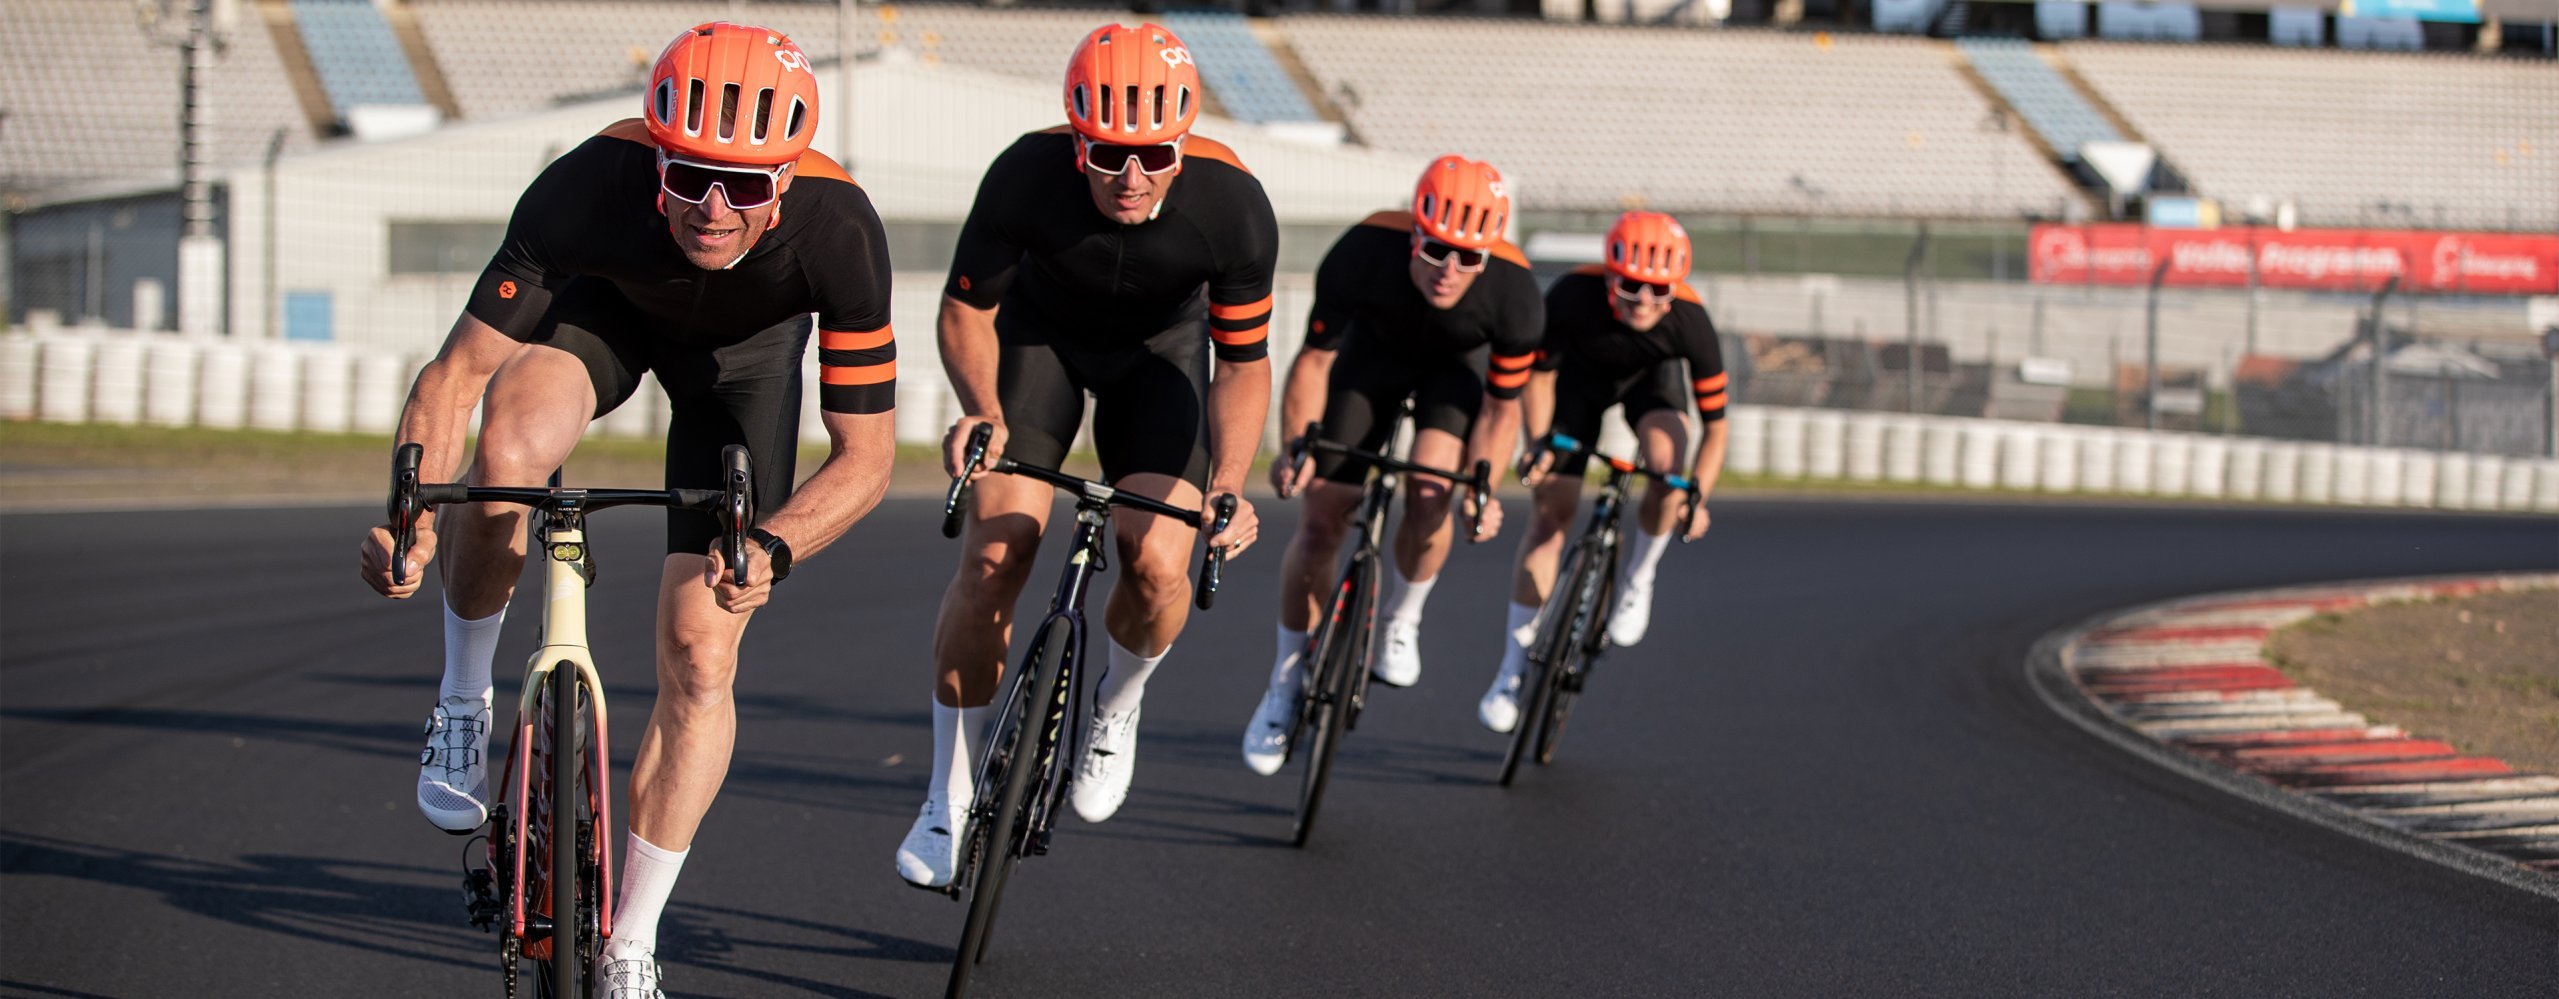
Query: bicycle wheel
x,y
1033,712
569,940
1580,648
1328,693
1545,654
1362,652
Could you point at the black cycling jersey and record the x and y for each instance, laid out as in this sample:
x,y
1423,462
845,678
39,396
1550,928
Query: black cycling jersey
x,y
1034,241
593,215
1583,335
1364,291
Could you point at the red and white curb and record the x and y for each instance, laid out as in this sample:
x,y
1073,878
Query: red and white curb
x,y
2186,683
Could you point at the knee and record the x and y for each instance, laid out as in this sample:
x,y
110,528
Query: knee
x,y
1159,571
996,565
697,667
512,456
1321,531
1426,503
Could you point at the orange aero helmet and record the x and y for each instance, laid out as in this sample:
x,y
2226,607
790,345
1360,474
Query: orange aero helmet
x,y
733,93
1462,202
1132,86
1648,247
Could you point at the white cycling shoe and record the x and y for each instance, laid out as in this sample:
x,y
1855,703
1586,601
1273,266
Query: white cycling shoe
x,y
1399,664
1632,615
931,853
1499,710
1266,737
620,977
1110,757
453,769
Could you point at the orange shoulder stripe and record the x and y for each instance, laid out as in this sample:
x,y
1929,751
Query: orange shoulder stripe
x,y
816,164
1506,251
1686,294
1591,269
855,340
867,375
1203,146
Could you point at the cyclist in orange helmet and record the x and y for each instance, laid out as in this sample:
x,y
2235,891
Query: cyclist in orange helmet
x,y
1122,258
1430,305
693,243
1616,333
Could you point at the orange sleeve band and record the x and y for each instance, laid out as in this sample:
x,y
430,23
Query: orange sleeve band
x,y
868,375
1713,383
850,340
1709,402
1247,310
1507,379
1240,337
1508,364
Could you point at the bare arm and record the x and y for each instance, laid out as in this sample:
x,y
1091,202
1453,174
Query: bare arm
x,y
1709,464
437,417
966,335
1239,398
860,447
1309,383
1537,412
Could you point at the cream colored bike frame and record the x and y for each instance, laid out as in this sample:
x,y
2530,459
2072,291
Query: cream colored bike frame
x,y
564,583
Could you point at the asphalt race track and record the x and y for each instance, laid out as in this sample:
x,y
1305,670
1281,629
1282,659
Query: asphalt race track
x,y
1822,774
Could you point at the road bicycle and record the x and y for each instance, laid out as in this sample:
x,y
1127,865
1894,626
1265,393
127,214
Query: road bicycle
x,y
1026,764
1340,649
1572,629
546,886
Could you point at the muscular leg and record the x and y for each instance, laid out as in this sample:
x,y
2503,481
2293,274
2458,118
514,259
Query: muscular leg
x,y
975,627
1324,519
1557,499
536,407
1663,436
1151,600
1422,540
684,753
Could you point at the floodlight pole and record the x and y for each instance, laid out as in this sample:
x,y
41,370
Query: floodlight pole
x,y
2150,403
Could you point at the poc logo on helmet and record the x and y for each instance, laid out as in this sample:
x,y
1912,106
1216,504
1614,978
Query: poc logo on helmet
x,y
792,60
1175,56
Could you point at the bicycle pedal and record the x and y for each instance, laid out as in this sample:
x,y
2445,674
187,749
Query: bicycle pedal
x,y
479,898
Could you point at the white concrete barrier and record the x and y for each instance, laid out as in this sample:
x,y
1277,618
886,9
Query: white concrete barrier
x,y
2452,481
2281,481
2387,477
1745,436
1826,445
1865,434
2545,486
18,377
1980,454
2017,459
2172,463
222,387
632,418
275,387
2417,479
2487,474
2210,474
168,382
2133,463
2096,458
2318,481
2246,477
62,379
115,380
1941,452
379,392
1786,444
919,412
328,390
2516,493
2354,476
2057,460
1902,448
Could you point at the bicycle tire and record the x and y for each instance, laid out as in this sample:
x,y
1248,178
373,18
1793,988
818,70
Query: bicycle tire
x,y
1035,707
568,798
1363,652
1537,678
1589,624
1328,687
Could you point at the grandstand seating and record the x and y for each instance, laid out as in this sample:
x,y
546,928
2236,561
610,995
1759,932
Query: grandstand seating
x,y
1249,83
115,118
2047,102
2351,138
358,59
1594,118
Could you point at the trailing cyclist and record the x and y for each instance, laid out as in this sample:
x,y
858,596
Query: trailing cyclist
x,y
1431,306
1122,257
693,242
1616,333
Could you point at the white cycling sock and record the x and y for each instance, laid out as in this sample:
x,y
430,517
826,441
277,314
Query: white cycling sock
x,y
1292,653
1125,682
1643,554
959,735
469,648
1404,598
1521,630
648,877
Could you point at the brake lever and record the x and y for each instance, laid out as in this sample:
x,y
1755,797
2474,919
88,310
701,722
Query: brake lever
x,y
403,506
1478,493
1204,596
739,510
955,501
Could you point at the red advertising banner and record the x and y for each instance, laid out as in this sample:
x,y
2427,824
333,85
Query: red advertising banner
x,y
2490,263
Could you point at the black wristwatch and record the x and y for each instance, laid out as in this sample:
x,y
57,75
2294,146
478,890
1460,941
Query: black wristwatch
x,y
776,551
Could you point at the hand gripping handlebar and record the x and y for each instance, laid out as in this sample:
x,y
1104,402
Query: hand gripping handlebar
x,y
1568,444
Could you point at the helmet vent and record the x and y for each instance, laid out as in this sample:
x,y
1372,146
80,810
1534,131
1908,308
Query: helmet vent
x,y
1128,121
728,112
1158,93
763,116
1182,104
663,102
799,117
693,108
1083,98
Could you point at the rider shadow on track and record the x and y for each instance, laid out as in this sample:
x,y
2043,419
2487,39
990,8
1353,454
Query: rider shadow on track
x,y
719,938
1170,811
345,903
